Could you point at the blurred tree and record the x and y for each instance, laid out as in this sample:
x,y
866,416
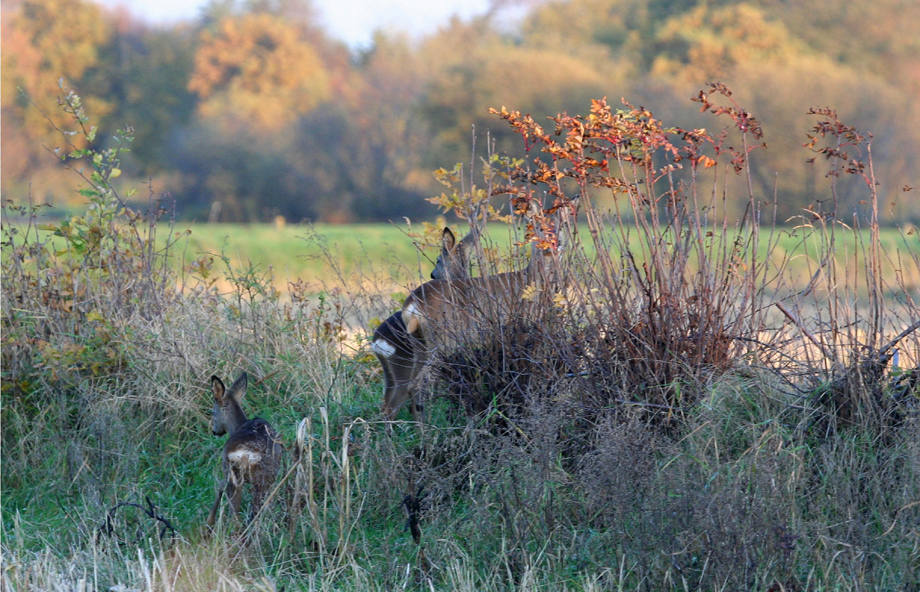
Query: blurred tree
x,y
256,68
261,65
781,57
357,157
470,67
706,44
144,73
249,175
43,42
877,36
388,137
253,106
779,77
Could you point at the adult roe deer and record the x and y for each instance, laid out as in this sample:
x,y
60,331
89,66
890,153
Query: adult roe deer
x,y
442,315
252,453
393,345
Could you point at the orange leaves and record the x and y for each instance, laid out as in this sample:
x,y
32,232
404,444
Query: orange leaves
x,y
742,118
525,125
706,162
627,151
841,136
259,68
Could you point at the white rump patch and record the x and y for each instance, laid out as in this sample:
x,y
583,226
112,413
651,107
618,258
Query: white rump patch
x,y
383,348
244,457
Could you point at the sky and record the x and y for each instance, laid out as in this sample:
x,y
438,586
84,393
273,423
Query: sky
x,y
352,21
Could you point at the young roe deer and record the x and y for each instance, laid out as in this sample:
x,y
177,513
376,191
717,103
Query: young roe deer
x,y
393,345
252,453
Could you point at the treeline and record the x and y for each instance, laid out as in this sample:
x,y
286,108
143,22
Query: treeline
x,y
254,111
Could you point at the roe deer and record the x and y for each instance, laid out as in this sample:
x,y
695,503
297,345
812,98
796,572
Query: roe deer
x,y
252,453
393,345
454,261
439,314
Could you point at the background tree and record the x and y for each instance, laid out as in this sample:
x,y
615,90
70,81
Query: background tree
x,y
43,42
257,68
144,71
255,107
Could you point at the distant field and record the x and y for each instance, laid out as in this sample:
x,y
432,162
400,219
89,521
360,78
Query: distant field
x,y
386,255
294,251
386,251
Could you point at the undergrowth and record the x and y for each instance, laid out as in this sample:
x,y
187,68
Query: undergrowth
x,y
671,409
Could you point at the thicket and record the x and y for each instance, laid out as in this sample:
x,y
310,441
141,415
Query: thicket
x,y
674,411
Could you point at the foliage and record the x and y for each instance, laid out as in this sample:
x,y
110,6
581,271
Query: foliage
x,y
256,68
252,107
43,42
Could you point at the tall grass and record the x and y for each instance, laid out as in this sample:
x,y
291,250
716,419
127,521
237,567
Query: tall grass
x,y
688,410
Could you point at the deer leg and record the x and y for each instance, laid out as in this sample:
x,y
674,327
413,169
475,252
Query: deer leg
x,y
212,517
416,406
258,495
235,492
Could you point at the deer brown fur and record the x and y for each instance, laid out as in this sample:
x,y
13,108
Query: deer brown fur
x,y
393,345
252,453
442,315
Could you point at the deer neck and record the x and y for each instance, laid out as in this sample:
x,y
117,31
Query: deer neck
x,y
236,418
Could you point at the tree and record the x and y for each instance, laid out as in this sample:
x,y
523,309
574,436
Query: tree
x,y
44,41
471,68
144,73
257,68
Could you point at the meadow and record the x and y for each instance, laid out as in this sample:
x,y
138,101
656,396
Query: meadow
x,y
405,255
683,403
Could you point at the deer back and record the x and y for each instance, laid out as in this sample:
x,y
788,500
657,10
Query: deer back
x,y
395,348
253,448
441,312
439,305
253,452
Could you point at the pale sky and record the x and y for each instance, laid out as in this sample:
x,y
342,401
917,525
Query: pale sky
x,y
352,21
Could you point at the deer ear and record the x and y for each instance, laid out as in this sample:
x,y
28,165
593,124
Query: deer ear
x,y
238,388
218,388
448,240
471,238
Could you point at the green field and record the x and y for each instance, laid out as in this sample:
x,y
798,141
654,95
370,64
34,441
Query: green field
x,y
296,251
387,251
399,255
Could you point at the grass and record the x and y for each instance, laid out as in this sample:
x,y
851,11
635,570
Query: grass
x,y
381,250
293,253
311,252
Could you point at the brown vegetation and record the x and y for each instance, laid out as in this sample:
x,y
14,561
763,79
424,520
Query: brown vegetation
x,y
684,415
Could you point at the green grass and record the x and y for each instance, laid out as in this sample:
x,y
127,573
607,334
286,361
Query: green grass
x,y
387,251
292,252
